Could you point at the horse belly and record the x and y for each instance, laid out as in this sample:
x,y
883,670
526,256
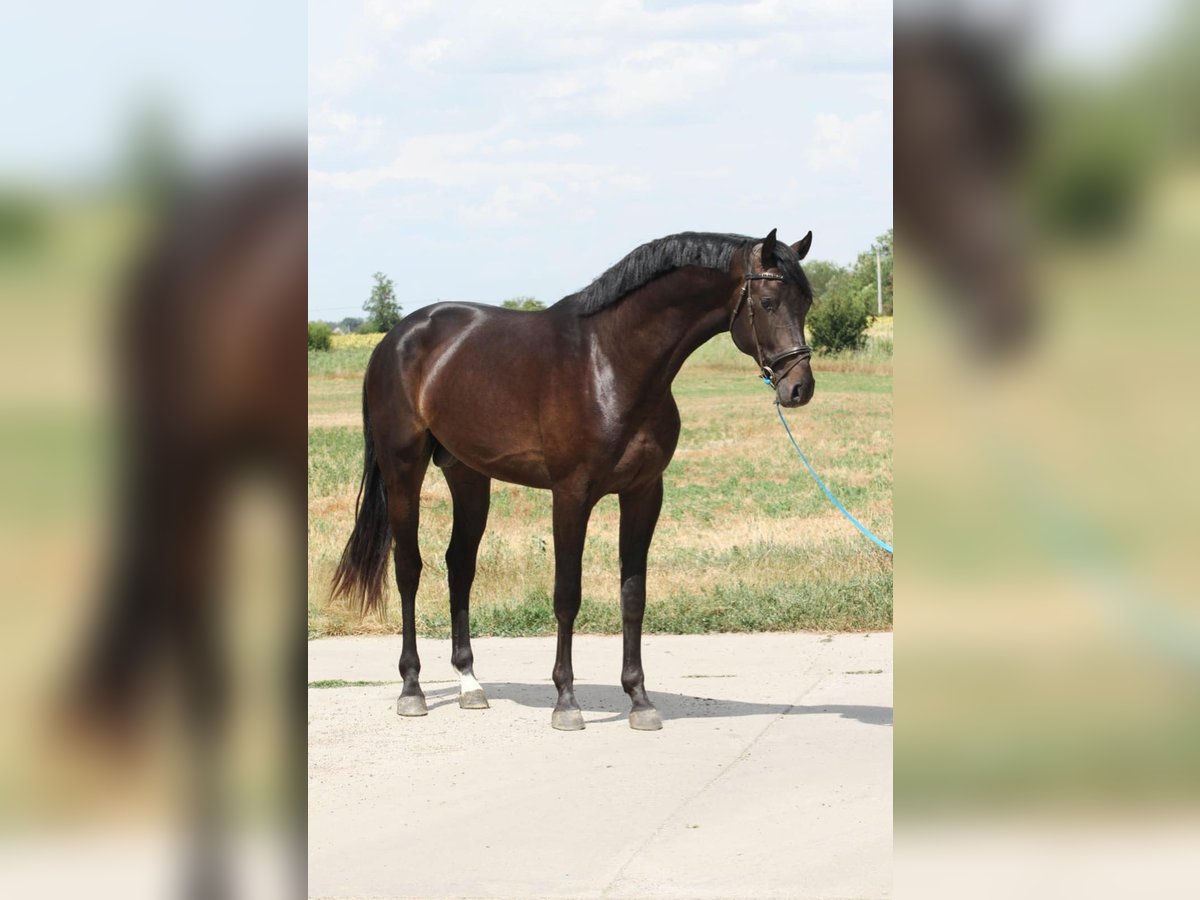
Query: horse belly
x,y
528,470
514,464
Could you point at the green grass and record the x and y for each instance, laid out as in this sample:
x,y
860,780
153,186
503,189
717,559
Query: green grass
x,y
345,361
746,541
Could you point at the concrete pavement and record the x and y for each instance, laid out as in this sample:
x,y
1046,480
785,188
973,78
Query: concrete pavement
x,y
772,776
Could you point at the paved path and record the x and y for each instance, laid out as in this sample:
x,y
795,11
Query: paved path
x,y
772,776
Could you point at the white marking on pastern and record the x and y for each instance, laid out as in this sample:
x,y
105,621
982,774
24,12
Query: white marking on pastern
x,y
468,684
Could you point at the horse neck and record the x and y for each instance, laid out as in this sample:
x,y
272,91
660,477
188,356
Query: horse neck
x,y
655,329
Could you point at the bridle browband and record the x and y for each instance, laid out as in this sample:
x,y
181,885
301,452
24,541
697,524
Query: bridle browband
x,y
768,366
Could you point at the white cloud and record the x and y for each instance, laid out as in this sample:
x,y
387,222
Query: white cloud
x,y
507,204
632,14
415,165
628,181
338,120
345,72
465,159
664,73
557,87
422,55
838,144
393,14
328,126
564,141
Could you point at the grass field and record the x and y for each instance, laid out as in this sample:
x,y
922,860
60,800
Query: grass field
x,y
746,541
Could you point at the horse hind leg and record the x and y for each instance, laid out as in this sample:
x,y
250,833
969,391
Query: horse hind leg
x,y
404,473
639,515
471,494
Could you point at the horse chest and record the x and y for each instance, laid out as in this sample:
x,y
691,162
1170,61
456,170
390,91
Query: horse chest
x,y
645,455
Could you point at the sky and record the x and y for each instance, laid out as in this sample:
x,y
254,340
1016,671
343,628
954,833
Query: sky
x,y
481,151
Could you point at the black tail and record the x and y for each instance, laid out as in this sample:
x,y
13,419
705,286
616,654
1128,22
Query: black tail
x,y
362,572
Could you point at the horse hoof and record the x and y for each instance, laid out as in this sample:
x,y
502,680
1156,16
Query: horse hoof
x,y
411,705
645,720
567,719
473,700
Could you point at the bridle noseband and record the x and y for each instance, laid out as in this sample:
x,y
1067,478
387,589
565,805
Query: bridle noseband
x,y
768,366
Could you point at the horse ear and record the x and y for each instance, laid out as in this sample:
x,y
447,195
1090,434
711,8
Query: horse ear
x,y
801,246
768,249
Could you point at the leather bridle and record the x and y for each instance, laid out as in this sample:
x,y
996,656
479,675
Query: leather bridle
x,y
767,365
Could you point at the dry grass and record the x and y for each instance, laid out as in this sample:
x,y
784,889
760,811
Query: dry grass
x,y
355,341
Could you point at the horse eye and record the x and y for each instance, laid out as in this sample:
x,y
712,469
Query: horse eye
x,y
768,305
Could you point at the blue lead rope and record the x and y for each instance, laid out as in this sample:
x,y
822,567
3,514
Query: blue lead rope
x,y
834,500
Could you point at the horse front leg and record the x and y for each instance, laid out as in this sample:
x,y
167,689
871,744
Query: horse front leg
x,y
571,512
639,515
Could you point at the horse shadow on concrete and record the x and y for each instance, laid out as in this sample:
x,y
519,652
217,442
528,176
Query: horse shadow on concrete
x,y
611,699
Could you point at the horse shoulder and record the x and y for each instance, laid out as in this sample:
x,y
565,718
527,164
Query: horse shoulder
x,y
648,453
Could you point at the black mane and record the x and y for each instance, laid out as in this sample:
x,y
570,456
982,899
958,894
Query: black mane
x,y
655,258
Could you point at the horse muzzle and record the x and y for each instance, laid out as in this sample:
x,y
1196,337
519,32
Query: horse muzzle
x,y
796,388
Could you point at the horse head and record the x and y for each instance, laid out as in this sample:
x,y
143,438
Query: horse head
x,y
767,321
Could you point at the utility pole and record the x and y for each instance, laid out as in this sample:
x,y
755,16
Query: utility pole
x,y
878,282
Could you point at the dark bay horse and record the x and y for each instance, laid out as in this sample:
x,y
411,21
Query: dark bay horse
x,y
575,399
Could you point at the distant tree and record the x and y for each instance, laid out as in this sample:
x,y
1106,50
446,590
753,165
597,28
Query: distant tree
x,y
838,320
320,336
864,273
821,274
383,312
350,324
845,299
523,303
